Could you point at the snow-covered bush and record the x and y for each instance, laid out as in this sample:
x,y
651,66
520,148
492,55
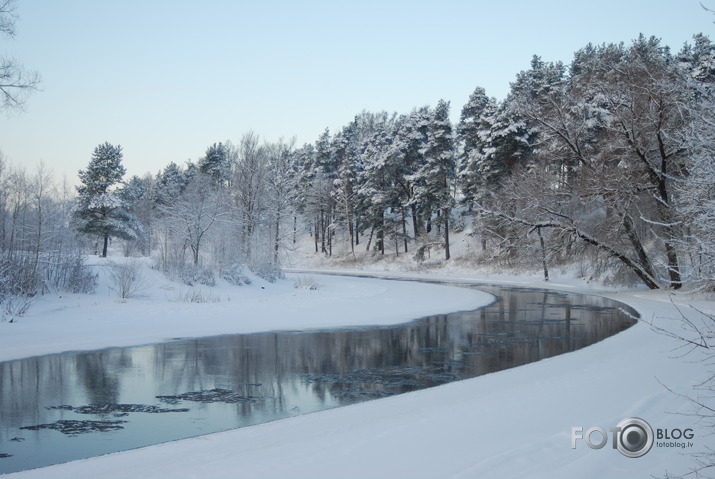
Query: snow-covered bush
x,y
191,275
235,275
127,278
74,276
14,306
306,283
269,271
188,274
18,275
29,274
196,295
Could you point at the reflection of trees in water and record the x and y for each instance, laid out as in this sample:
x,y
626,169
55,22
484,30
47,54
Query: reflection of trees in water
x,y
516,330
24,385
99,372
27,386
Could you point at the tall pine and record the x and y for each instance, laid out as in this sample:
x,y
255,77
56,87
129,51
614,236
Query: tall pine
x,y
433,179
100,209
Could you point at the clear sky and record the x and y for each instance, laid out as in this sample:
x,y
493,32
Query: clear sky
x,y
167,78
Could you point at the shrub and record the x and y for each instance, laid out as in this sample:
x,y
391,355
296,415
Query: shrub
x,y
127,278
235,275
197,295
191,275
306,283
14,306
74,276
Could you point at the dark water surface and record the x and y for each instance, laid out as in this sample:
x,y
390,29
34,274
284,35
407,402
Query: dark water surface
x,y
68,406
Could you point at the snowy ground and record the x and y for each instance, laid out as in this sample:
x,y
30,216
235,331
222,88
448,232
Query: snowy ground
x,y
69,322
515,423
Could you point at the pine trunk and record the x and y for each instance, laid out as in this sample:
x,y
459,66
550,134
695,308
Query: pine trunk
x,y
446,234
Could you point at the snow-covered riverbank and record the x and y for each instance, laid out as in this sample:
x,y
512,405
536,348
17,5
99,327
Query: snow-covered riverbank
x,y
68,322
515,423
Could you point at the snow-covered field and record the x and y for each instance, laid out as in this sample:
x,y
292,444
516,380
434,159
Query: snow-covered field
x,y
515,423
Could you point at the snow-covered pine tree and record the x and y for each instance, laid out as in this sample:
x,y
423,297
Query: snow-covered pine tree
x,y
100,209
433,179
375,187
408,148
215,164
168,185
494,140
319,173
345,148
474,130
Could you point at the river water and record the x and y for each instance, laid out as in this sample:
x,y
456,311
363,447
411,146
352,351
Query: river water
x,y
62,407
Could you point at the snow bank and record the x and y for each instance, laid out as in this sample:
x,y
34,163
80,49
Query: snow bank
x,y
70,322
515,423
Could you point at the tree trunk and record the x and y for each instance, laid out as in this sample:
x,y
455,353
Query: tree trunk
x,y
404,227
277,240
635,267
415,223
323,231
369,239
315,236
381,233
295,229
673,267
638,246
543,254
195,251
106,245
446,234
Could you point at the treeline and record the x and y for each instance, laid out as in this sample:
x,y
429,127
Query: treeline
x,y
225,211
607,160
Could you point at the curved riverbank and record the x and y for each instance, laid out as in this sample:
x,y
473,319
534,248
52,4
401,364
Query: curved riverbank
x,y
515,423
79,322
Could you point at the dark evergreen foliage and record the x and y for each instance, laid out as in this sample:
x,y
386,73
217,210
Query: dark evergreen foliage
x,y
101,210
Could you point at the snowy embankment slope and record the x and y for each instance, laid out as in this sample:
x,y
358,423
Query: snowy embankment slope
x,y
515,423
69,322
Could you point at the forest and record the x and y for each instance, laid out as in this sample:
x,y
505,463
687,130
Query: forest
x,y
608,161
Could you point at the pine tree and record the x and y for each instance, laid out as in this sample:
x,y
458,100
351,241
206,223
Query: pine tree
x,y
169,184
433,179
494,140
408,148
100,208
375,186
348,164
216,164
474,129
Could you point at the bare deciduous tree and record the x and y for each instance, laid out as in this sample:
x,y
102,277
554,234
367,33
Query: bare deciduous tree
x,y
16,82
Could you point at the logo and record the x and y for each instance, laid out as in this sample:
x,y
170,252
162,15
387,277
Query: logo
x,y
633,437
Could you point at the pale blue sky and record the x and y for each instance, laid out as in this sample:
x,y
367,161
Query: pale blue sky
x,y
167,78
